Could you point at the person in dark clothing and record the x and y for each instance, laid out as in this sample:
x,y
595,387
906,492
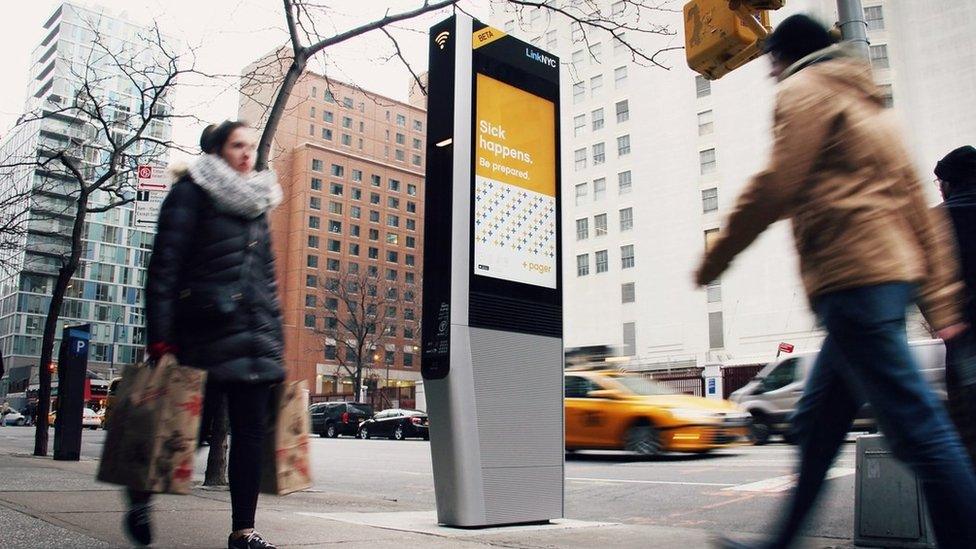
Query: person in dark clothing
x,y
212,300
956,175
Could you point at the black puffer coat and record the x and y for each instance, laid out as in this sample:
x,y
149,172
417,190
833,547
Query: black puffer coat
x,y
211,289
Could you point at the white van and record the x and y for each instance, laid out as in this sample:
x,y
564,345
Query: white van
x,y
771,397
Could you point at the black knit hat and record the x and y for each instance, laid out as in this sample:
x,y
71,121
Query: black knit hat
x,y
797,37
959,166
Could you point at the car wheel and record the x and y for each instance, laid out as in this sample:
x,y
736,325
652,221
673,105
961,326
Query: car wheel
x,y
643,439
760,429
363,433
398,433
21,422
331,431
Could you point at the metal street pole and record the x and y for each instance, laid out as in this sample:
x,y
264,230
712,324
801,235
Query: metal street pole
x,y
111,367
853,27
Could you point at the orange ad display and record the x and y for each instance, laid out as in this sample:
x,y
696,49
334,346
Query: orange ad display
x,y
515,185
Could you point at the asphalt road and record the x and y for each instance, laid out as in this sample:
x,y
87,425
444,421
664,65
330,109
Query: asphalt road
x,y
734,490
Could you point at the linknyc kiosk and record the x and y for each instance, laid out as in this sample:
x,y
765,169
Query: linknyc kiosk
x,y
492,357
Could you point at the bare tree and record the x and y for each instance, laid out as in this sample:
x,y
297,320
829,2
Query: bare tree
x,y
270,82
89,166
358,318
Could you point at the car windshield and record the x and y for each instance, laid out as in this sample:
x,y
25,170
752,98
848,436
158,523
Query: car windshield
x,y
643,386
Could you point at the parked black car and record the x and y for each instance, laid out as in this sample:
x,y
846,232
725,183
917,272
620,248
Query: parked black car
x,y
396,424
331,419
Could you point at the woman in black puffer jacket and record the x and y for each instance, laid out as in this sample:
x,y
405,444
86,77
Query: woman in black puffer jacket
x,y
211,299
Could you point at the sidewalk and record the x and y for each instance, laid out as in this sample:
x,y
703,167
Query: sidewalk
x,y
49,504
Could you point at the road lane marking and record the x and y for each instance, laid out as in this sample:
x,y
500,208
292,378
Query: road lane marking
x,y
629,481
784,483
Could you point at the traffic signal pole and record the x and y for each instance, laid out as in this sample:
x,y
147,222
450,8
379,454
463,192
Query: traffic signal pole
x,y
853,27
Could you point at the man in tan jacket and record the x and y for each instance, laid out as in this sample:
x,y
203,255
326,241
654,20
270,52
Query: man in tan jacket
x,y
869,246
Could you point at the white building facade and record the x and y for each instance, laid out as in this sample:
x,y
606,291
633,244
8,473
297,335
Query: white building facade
x,y
654,159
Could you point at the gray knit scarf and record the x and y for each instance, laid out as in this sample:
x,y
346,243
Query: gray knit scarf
x,y
246,196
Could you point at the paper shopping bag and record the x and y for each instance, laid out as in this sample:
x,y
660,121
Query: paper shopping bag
x,y
286,464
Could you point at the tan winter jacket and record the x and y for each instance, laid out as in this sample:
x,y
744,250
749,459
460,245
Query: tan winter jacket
x,y
840,172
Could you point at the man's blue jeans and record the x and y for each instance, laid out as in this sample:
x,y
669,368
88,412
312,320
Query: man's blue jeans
x,y
866,358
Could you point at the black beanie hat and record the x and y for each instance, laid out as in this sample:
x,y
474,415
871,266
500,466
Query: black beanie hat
x,y
959,166
797,37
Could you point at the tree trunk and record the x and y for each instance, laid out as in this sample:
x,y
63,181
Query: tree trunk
x,y
65,273
278,109
216,474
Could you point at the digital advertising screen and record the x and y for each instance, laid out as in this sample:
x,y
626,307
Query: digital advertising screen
x,y
515,215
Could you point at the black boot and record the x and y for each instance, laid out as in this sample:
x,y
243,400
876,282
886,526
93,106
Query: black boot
x,y
137,524
250,541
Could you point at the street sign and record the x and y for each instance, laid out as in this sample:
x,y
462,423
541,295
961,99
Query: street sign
x,y
786,347
153,184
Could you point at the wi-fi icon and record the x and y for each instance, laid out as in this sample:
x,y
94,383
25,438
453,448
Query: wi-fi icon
x,y
441,38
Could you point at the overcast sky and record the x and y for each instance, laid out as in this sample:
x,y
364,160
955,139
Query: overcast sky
x,y
229,34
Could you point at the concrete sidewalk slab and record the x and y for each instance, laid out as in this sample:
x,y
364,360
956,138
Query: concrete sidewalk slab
x,y
425,522
21,530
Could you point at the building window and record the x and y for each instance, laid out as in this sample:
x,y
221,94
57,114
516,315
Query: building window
x,y
887,96
411,242
312,261
346,122
599,154
332,264
315,203
335,189
576,33
551,40
317,165
600,224
579,125
602,261
627,256
874,17
316,184
411,207
579,156
394,185
311,130
392,256
623,145
357,176
310,323
583,265
579,92
327,116
393,202
705,123
581,194
418,126
703,87
627,292
353,249
714,291
374,198
626,219
577,60
338,171
879,56
706,161
375,180
392,238
357,194
335,227
620,77
311,281
630,338
374,253
392,220
596,85
313,241
401,120
401,139
374,216
597,117
620,43
599,188
624,182
716,336
709,200
582,228
623,111
711,236
314,222
335,245
335,207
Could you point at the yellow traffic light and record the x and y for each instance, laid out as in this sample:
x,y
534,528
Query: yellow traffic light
x,y
720,38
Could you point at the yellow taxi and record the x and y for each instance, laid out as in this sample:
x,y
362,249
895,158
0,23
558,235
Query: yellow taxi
x,y
615,410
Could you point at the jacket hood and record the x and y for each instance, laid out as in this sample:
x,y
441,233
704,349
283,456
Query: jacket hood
x,y
842,67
